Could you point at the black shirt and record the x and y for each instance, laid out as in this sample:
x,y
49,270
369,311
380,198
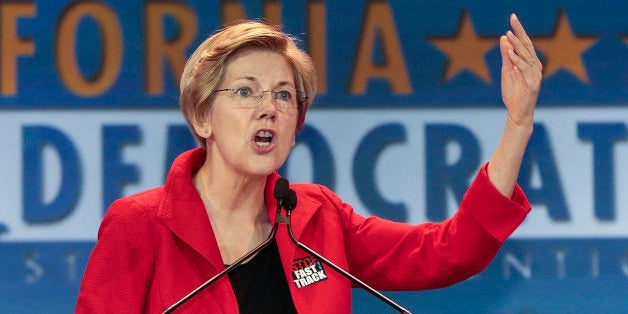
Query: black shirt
x,y
260,284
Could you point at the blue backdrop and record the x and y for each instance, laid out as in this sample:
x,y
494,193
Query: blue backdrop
x,y
408,96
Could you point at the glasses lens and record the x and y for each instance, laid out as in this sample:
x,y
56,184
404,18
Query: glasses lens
x,y
285,98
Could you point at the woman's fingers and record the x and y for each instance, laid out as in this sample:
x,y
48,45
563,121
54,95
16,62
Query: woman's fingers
x,y
522,35
504,48
520,49
525,57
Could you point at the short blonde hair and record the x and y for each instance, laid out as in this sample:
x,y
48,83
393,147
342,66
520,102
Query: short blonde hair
x,y
205,69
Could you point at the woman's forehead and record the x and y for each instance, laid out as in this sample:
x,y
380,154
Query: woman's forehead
x,y
258,66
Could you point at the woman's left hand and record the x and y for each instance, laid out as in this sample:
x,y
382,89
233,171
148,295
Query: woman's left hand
x,y
521,74
521,81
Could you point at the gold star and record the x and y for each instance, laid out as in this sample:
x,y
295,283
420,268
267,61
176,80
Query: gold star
x,y
564,50
465,50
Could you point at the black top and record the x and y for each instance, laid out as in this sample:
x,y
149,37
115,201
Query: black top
x,y
260,284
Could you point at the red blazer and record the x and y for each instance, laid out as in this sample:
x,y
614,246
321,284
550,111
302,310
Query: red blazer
x,y
157,246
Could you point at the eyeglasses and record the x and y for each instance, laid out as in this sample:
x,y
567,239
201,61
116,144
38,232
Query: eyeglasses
x,y
286,100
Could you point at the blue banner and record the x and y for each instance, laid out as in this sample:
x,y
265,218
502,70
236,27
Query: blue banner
x,y
408,109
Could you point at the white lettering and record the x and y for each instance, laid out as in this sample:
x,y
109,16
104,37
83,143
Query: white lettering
x,y
560,264
624,264
595,264
70,258
303,282
307,270
37,272
525,269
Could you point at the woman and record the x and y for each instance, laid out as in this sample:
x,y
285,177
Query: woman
x,y
245,92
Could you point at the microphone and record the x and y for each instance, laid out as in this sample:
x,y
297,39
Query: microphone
x,y
281,193
282,189
291,201
289,204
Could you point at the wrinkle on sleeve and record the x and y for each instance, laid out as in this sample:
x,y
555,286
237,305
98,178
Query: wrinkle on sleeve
x,y
496,213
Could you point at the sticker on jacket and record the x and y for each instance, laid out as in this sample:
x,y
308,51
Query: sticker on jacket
x,y
306,271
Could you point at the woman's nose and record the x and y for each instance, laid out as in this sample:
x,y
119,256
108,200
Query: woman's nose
x,y
267,107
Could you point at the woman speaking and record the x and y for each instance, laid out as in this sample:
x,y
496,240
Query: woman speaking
x,y
245,93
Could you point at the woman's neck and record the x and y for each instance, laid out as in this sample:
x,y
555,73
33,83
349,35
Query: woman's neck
x,y
228,192
236,210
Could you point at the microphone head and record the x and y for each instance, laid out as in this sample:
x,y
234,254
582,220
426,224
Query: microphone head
x,y
291,201
281,189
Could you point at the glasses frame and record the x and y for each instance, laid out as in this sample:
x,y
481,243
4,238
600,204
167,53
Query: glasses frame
x,y
300,97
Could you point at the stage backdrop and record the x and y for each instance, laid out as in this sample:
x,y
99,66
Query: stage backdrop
x,y
408,110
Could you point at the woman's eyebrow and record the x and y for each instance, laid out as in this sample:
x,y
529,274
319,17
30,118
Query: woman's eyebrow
x,y
255,80
242,79
247,77
284,83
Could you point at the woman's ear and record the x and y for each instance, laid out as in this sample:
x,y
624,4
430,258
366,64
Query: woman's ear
x,y
202,128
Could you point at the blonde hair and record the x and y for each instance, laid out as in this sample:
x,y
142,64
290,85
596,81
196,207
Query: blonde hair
x,y
205,69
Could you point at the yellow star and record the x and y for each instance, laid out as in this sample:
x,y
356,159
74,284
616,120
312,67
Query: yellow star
x,y
564,50
465,50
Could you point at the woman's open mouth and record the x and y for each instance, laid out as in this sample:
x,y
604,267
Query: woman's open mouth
x,y
263,138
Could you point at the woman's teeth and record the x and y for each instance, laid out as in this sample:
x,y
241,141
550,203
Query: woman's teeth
x,y
263,138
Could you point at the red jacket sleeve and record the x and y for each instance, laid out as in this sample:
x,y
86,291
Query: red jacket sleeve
x,y
120,267
398,256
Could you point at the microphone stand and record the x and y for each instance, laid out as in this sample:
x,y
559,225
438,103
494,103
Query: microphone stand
x,y
289,207
233,266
